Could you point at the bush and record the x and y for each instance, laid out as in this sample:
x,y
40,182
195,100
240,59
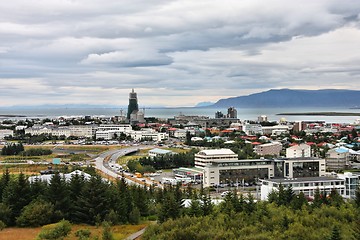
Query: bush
x,y
83,234
107,235
58,232
2,225
37,213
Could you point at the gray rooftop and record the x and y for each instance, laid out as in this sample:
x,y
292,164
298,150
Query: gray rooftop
x,y
304,179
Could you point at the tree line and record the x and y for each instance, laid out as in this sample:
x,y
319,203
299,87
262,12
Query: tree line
x,y
285,216
167,161
181,213
18,149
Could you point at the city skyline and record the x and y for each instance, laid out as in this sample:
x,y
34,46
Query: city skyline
x,y
186,52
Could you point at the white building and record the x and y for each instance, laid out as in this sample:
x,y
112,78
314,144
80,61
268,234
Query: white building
x,y
6,133
181,133
275,130
109,131
148,134
308,185
67,177
87,131
262,118
252,129
221,166
352,182
157,152
50,130
297,151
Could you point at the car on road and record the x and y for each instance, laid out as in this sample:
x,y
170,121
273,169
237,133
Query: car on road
x,y
223,194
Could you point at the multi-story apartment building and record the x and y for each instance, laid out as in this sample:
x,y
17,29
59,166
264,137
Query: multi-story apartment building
x,y
6,133
148,134
273,148
275,130
87,131
297,151
50,130
337,159
252,129
109,131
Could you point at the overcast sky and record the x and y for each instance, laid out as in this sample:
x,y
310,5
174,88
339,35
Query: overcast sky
x,y
173,53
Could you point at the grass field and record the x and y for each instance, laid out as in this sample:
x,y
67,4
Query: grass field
x,y
119,232
124,159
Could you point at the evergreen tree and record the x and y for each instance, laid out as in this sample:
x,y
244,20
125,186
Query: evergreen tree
x,y
76,185
206,204
93,202
17,195
317,202
58,195
38,189
250,204
298,201
4,181
335,198
335,234
357,198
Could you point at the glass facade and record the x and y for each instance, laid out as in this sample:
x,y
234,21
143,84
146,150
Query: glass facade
x,y
279,169
305,169
237,175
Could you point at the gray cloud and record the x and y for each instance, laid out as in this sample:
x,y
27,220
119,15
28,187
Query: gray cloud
x,y
191,51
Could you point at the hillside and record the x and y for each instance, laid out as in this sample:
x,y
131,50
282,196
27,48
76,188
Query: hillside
x,y
295,98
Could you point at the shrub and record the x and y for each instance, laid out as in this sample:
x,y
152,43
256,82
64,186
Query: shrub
x,y
83,234
106,234
2,225
58,232
37,213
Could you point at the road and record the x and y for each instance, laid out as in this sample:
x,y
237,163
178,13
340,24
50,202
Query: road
x,y
106,168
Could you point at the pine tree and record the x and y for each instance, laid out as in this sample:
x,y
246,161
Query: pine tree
x,y
17,195
357,198
335,234
93,201
76,185
4,181
317,202
58,195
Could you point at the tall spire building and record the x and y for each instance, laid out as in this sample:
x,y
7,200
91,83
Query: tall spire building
x,y
133,104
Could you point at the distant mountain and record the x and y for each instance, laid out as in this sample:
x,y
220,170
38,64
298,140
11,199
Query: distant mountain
x,y
295,98
204,104
57,106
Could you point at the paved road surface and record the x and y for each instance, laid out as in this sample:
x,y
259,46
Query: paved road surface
x,y
114,155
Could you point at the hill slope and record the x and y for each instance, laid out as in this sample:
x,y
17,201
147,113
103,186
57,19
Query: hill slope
x,y
295,98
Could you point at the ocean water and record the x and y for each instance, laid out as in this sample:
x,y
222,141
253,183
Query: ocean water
x,y
243,113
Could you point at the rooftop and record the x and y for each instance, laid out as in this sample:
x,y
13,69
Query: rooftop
x,y
160,151
303,179
222,151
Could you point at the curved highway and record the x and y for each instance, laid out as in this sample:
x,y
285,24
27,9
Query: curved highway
x,y
103,166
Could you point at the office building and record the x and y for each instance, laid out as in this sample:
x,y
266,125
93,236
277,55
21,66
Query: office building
x,y
307,185
133,104
232,113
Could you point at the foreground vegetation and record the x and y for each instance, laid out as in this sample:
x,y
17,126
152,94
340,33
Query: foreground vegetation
x,y
78,231
286,216
93,201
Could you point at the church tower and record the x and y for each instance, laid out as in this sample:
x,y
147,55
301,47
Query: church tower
x,y
133,104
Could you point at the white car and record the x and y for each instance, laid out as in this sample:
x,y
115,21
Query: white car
x,y
223,194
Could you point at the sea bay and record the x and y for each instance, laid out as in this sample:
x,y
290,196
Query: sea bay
x,y
243,113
